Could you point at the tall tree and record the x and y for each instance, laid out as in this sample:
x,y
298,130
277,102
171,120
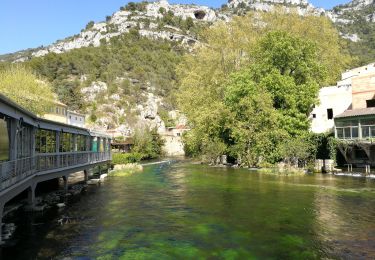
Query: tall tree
x,y
253,81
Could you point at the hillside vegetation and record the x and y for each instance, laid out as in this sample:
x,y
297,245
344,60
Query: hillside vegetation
x,y
128,64
362,23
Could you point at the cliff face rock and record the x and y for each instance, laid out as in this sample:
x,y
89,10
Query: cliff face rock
x,y
203,13
342,14
112,108
146,21
303,7
354,10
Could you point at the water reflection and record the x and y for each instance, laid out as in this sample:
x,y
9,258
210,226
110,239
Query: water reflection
x,y
193,211
345,223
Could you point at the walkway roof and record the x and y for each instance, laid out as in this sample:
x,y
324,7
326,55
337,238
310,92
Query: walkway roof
x,y
357,112
12,109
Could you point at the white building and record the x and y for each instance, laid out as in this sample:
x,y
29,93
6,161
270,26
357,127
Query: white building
x,y
335,100
332,102
76,119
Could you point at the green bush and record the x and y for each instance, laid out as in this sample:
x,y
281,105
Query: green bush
x,y
124,158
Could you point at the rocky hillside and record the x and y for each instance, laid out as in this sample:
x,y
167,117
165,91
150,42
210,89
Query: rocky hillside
x,y
122,71
356,21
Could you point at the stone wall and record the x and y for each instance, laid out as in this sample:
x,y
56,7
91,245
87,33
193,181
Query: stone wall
x,y
173,146
363,89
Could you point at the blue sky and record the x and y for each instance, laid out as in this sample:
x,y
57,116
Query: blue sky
x,y
32,23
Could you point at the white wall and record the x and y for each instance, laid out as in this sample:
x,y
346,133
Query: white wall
x,y
173,146
370,68
76,119
338,99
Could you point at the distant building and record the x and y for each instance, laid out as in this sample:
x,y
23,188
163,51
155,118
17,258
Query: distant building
x,y
177,130
57,113
76,119
334,100
123,145
357,124
60,113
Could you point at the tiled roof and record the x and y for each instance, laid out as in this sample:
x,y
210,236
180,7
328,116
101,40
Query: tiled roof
x,y
181,127
357,112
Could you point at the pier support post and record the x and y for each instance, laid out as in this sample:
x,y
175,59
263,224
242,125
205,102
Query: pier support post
x,y
86,172
368,169
31,196
1,222
65,178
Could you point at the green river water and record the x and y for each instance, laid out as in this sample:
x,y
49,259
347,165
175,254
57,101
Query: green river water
x,y
187,211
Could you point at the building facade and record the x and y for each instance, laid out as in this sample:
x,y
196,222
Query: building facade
x,y
332,102
353,89
57,113
355,127
76,119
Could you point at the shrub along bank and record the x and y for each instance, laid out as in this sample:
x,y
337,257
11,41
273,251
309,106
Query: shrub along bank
x,y
148,144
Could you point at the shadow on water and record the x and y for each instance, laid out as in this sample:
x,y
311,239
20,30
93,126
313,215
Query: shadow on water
x,y
181,210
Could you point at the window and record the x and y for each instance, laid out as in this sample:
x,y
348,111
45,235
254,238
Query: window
x,y
370,103
101,145
330,113
76,118
340,133
354,132
57,110
4,140
347,133
365,132
45,141
81,143
314,115
66,142
24,137
94,144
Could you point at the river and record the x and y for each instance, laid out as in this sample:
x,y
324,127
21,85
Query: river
x,y
186,211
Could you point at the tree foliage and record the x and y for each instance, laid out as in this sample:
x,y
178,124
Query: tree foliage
x,y
26,89
148,143
255,80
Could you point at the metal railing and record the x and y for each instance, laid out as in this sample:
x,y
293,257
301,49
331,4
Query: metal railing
x,y
11,172
361,132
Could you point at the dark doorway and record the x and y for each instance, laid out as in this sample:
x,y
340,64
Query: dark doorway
x,y
370,103
330,113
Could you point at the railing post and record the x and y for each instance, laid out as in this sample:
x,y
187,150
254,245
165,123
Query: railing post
x,y
58,163
1,221
13,144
